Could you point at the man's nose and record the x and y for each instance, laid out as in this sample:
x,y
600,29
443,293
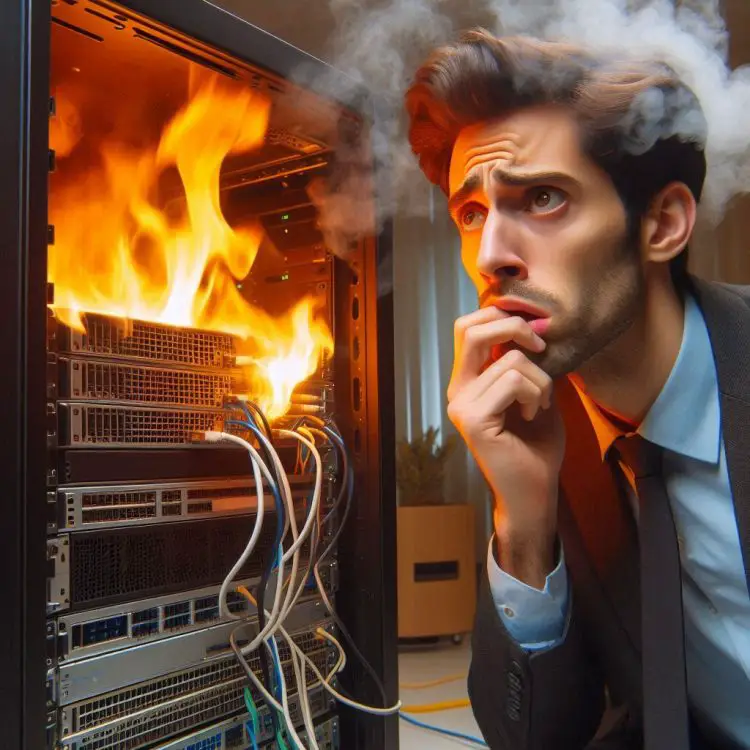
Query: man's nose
x,y
499,249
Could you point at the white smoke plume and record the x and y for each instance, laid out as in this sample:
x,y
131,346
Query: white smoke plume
x,y
692,38
382,45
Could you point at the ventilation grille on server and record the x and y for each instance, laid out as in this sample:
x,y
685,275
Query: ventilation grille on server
x,y
117,381
138,716
140,340
130,563
106,425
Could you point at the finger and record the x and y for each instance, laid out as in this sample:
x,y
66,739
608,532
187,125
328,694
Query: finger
x,y
511,388
479,340
483,315
512,360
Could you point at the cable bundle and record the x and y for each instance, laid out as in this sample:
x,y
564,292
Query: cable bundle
x,y
290,586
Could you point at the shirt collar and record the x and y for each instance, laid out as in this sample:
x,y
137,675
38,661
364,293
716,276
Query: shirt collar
x,y
685,418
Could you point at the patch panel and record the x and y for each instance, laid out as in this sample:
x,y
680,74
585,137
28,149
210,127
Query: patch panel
x,y
94,632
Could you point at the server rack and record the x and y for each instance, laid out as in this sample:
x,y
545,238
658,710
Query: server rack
x,y
40,520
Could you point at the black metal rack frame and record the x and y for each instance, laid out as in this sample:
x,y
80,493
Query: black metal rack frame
x,y
368,578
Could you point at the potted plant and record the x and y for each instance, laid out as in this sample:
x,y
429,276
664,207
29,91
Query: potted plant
x,y
436,565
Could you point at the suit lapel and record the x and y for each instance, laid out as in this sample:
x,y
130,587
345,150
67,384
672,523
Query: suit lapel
x,y
726,311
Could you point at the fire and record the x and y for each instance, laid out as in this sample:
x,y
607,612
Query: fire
x,y
275,370
120,252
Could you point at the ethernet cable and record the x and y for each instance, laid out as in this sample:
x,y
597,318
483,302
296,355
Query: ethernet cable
x,y
286,494
308,529
348,489
294,650
280,522
463,738
277,617
272,702
258,463
259,469
253,711
285,696
331,433
388,711
434,683
251,411
293,592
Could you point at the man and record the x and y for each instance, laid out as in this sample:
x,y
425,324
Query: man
x,y
605,395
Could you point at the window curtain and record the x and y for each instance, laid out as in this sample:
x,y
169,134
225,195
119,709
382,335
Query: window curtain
x,y
431,290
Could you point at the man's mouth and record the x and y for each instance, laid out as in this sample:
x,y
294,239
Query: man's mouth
x,y
527,316
537,318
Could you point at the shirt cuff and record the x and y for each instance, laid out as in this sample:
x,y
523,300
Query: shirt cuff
x,y
534,618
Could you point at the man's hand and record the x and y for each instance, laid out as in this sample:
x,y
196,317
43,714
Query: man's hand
x,y
506,414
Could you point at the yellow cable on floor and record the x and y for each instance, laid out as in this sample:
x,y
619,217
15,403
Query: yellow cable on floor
x,y
432,683
429,708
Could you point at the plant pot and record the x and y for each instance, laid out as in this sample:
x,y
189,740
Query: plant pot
x,y
436,570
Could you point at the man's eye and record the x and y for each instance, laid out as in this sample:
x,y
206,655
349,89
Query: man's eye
x,y
545,200
471,219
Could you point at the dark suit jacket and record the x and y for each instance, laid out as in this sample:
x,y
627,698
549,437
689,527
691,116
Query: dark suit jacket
x,y
554,700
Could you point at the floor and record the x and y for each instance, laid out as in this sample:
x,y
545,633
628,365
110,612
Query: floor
x,y
419,664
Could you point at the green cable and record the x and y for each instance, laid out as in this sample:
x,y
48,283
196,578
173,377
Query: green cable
x,y
252,710
280,741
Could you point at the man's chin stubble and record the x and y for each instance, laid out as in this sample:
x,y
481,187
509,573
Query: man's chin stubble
x,y
560,359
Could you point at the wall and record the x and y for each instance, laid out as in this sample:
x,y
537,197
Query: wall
x,y
724,254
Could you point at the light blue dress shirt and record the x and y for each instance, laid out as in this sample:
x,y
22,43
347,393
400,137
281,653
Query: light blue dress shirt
x,y
685,420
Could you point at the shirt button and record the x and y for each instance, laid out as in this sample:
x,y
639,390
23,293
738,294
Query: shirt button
x,y
713,609
508,612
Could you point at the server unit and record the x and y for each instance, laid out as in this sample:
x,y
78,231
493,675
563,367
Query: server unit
x,y
166,260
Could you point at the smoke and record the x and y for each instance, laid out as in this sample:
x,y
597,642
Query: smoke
x,y
378,48
381,45
692,38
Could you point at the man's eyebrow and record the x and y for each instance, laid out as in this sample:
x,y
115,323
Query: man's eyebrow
x,y
470,184
529,179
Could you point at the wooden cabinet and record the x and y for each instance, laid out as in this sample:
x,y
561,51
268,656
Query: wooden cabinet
x,y
437,586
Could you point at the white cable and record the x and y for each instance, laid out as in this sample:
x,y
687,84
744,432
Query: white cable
x,y
326,681
332,639
286,495
293,592
300,674
277,616
316,496
312,522
316,567
341,662
274,649
326,684
259,467
282,708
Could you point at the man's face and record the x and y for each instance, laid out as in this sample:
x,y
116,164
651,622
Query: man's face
x,y
542,225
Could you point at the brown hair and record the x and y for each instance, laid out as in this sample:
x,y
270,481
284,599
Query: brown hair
x,y
639,122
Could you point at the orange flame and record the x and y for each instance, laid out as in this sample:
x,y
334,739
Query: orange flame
x,y
118,254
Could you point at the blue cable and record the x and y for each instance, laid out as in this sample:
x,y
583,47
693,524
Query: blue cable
x,y
447,732
251,425
277,669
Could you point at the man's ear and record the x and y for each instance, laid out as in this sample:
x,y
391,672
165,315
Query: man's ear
x,y
669,223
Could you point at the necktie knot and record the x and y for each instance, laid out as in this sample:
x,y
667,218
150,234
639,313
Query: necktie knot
x,y
642,456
